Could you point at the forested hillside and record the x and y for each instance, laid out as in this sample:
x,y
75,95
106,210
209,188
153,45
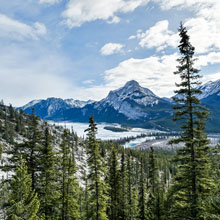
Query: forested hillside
x,y
50,173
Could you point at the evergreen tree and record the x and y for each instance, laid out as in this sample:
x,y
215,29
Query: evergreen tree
x,y
193,182
97,186
48,191
132,202
154,190
23,203
4,194
11,112
69,185
86,199
31,151
122,187
142,194
114,185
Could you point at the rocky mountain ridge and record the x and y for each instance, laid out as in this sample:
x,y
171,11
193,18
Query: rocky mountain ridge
x,y
131,105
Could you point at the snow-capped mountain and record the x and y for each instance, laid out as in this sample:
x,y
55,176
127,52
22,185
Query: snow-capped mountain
x,y
209,89
129,100
53,106
130,105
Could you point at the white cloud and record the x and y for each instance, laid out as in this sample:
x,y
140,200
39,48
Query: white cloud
x,y
180,4
111,48
14,29
211,77
81,11
204,27
155,73
88,82
27,74
132,37
114,20
158,36
40,28
206,32
49,1
211,58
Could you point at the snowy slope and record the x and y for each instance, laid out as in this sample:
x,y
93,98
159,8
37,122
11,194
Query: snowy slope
x,y
209,89
53,106
129,100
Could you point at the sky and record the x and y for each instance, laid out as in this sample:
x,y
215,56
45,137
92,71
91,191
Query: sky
x,y
82,49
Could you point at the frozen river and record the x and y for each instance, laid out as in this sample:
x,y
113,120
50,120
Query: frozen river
x,y
104,134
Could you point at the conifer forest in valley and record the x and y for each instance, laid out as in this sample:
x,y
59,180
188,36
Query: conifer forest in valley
x,y
49,173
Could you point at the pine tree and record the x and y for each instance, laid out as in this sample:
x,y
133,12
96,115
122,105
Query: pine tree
x,y
142,193
154,190
193,182
69,185
48,191
31,151
114,185
23,203
122,187
97,186
132,201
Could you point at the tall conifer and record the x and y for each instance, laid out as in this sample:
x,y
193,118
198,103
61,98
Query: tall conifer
x,y
97,186
48,179
69,185
142,215
23,203
192,183
114,185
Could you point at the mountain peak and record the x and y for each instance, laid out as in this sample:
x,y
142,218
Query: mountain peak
x,y
132,83
209,88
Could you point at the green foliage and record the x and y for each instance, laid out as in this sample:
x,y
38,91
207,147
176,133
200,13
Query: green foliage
x,y
142,194
4,194
113,180
193,182
132,200
48,190
69,195
147,184
23,203
98,188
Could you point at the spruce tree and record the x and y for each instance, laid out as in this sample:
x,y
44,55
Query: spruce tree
x,y
192,182
154,190
23,203
69,184
114,185
48,191
31,151
96,184
142,193
122,187
132,200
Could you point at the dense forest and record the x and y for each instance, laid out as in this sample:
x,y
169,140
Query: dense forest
x,y
50,173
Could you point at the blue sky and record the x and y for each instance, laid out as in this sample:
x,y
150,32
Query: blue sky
x,y
82,49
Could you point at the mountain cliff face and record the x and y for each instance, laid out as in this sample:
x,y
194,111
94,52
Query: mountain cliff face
x,y
130,105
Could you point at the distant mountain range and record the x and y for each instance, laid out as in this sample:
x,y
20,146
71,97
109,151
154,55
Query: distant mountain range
x,y
131,105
